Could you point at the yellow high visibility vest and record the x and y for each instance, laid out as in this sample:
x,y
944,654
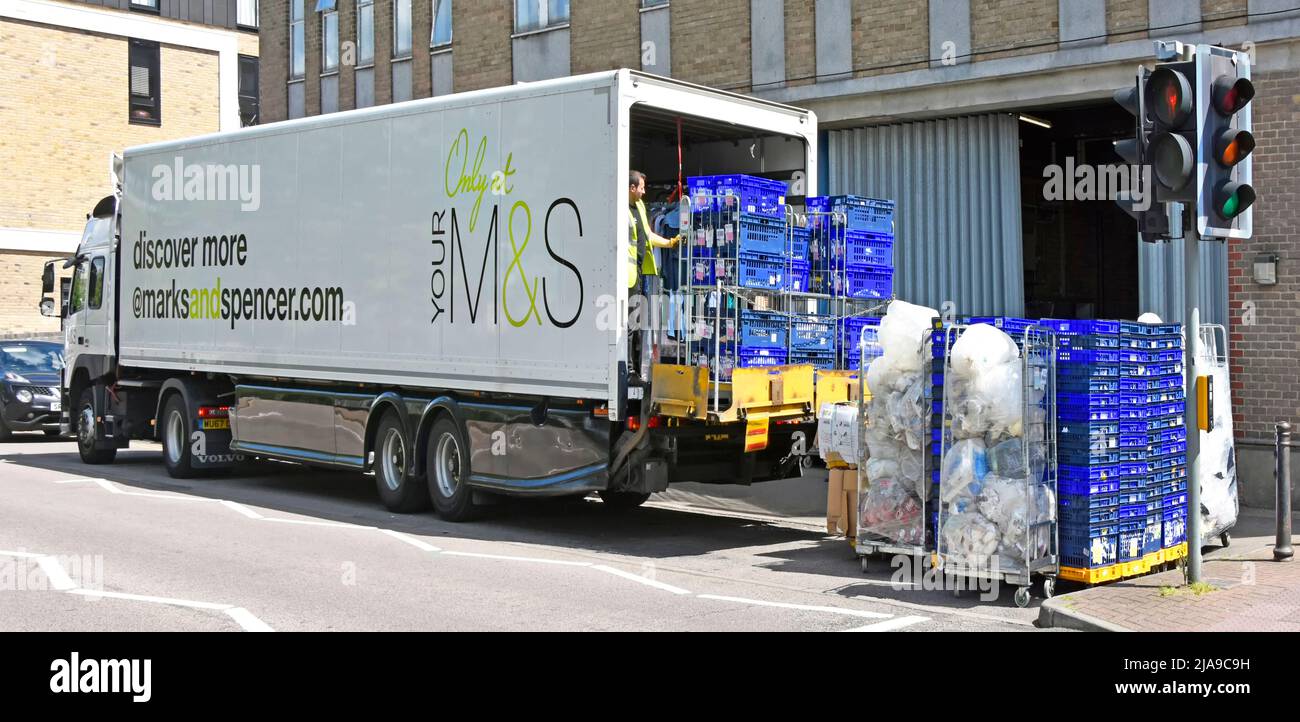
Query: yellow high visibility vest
x,y
648,266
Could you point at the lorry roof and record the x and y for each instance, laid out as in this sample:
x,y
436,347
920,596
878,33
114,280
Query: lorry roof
x,y
607,78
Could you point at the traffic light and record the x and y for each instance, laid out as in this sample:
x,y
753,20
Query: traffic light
x,y
1153,223
1171,105
1224,92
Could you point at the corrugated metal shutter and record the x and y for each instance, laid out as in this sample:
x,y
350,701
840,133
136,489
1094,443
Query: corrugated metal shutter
x,y
956,183
1161,281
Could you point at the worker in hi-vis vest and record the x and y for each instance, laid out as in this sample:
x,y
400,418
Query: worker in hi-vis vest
x,y
641,239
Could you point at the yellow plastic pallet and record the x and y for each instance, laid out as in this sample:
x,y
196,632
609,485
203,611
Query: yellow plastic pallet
x,y
1124,570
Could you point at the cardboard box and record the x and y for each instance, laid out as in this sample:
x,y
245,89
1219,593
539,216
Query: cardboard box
x,y
842,502
778,390
834,500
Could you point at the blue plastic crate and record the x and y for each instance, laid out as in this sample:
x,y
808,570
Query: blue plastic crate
x,y
1080,510
1086,371
1133,385
858,329
1130,497
1087,548
1167,396
763,272
758,235
797,276
1174,501
1173,524
868,282
1087,473
1153,343
1090,357
1008,324
1075,486
865,248
1077,385
750,194
762,329
1132,427
1091,401
1164,423
1134,441
1090,457
1082,413
1131,454
860,213
751,358
1129,545
1155,411
1151,533
812,334
1081,444
1170,447
1081,327
1165,476
1134,328
1087,429
1137,524
1161,463
1088,341
818,359
799,243
1177,433
1129,413
1160,369
1132,511
1160,357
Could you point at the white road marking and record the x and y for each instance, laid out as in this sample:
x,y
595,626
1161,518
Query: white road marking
x,y
417,543
241,509
106,484
21,555
74,481
891,624
504,557
247,620
643,580
154,600
55,573
946,610
804,607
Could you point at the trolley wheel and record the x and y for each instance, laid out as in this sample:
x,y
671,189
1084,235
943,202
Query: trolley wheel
x,y
1226,539
866,563
1022,597
1049,587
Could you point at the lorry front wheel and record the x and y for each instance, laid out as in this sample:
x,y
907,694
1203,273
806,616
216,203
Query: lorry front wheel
x,y
86,431
399,491
447,461
176,438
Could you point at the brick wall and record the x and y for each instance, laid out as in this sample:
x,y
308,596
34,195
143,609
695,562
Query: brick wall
x,y
311,79
604,36
1222,13
996,25
711,43
347,54
20,279
1125,20
482,40
800,42
890,36
421,32
383,52
1265,339
66,97
273,63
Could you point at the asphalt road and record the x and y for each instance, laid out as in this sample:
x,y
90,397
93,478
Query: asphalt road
x,y
281,547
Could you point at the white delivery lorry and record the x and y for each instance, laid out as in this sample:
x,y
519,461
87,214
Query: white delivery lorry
x,y
434,290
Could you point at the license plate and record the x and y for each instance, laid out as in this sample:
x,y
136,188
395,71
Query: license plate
x,y
216,423
56,406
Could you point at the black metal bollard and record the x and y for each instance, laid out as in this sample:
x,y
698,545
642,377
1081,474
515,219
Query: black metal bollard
x,y
1282,550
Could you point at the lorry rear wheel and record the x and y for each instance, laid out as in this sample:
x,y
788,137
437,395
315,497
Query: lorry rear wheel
x,y
447,461
399,491
176,438
86,432
623,499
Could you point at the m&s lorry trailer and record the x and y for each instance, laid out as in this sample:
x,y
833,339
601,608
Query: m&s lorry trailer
x,y
435,291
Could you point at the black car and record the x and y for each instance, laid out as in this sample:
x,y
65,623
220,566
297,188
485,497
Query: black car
x,y
29,389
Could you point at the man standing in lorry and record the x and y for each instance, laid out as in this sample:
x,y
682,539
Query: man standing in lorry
x,y
642,239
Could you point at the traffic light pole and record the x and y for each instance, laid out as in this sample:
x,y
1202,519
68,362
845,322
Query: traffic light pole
x,y
1191,350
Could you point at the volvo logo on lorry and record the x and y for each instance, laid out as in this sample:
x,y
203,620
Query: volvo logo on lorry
x,y
515,291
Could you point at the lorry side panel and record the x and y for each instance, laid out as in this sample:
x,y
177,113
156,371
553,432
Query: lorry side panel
x,y
455,245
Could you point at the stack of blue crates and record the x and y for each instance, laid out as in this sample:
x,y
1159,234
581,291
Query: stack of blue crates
x,y
853,254
1093,490
1152,356
749,212
859,337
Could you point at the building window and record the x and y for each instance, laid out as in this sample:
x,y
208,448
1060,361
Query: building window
x,y
653,3
146,101
329,27
246,13
538,14
97,282
297,36
150,5
401,29
249,106
365,32
441,23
